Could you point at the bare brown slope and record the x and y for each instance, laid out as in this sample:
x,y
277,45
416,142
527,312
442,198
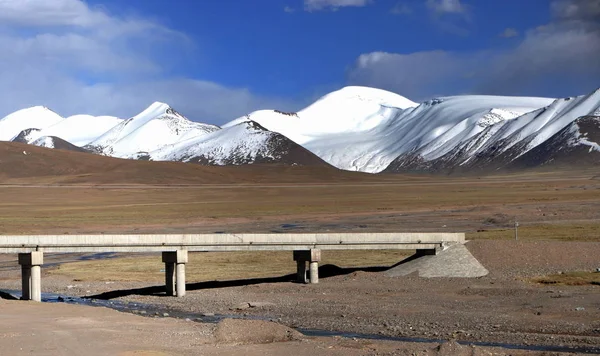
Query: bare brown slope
x,y
30,164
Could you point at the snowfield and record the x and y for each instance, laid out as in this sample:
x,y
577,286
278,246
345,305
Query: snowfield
x,y
354,128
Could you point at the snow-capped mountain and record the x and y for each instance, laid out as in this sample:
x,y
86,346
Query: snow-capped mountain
x,y
161,133
243,143
500,144
36,117
157,126
360,129
354,128
30,124
578,141
56,142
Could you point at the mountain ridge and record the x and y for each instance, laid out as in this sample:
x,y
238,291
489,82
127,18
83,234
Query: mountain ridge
x,y
354,128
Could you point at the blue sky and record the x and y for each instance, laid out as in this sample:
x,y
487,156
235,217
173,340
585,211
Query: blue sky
x,y
214,60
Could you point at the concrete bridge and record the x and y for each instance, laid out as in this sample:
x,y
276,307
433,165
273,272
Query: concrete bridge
x,y
306,249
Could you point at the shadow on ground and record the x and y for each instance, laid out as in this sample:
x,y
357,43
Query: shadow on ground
x,y
7,296
325,271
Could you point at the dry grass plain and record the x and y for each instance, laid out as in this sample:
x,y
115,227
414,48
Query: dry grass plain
x,y
523,300
60,192
547,205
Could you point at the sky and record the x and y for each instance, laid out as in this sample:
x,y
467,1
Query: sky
x,y
215,60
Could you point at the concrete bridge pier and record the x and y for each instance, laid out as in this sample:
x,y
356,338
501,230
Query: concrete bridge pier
x,y
313,256
175,271
31,275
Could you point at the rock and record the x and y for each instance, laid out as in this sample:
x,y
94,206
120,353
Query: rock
x,y
260,304
238,331
580,308
241,306
452,348
208,314
165,314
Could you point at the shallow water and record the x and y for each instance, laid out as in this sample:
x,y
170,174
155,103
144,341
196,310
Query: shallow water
x,y
154,311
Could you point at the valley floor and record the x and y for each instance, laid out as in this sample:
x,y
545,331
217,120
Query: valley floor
x,y
508,306
559,233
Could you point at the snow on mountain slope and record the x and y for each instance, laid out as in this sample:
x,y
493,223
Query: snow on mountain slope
x,y
55,142
348,110
157,126
81,129
78,129
540,125
576,144
365,129
243,143
37,117
44,141
498,145
354,128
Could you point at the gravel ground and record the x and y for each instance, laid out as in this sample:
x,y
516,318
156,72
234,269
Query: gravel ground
x,y
502,307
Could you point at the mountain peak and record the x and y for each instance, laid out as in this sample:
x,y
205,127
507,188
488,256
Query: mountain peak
x,y
379,96
35,117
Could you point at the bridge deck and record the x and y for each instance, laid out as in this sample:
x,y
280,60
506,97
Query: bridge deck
x,y
224,242
307,249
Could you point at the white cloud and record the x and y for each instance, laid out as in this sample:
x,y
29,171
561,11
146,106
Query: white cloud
x,y
451,16
75,59
509,32
317,5
49,13
560,58
401,8
289,9
446,6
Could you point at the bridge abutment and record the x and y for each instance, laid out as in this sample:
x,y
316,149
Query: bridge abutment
x,y
31,275
313,257
175,272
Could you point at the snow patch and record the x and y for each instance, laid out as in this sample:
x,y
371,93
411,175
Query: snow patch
x,y
44,141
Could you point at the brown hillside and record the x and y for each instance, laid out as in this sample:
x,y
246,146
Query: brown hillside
x,y
22,163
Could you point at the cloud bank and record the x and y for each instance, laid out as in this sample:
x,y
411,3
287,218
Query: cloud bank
x,y
558,55
70,57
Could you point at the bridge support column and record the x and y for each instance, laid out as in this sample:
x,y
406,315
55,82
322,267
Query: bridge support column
x,y
175,272
313,256
31,275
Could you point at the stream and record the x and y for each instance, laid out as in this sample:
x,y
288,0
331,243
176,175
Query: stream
x,y
155,311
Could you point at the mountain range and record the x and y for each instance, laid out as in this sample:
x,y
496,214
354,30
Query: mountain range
x,y
355,128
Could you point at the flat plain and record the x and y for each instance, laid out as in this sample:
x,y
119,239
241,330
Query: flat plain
x,y
528,297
